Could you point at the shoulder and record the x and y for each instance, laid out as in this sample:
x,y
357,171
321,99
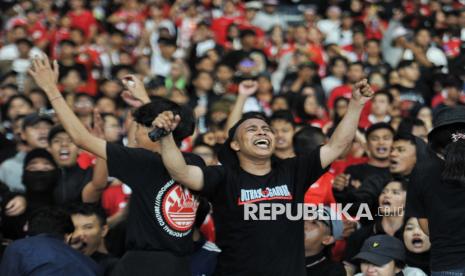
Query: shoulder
x,y
114,148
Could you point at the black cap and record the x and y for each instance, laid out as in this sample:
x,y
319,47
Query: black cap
x,y
445,117
226,155
39,153
54,131
381,249
34,118
167,41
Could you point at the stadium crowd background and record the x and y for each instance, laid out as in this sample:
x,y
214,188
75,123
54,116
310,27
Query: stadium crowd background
x,y
306,57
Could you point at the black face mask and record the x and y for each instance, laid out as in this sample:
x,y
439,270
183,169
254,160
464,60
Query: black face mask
x,y
40,181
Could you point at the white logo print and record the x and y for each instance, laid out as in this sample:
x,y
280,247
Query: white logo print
x,y
256,195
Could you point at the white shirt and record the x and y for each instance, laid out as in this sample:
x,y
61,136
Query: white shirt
x,y
10,52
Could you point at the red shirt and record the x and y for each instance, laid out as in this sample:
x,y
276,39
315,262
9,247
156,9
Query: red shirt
x,y
114,199
345,91
84,21
220,27
85,160
321,192
38,32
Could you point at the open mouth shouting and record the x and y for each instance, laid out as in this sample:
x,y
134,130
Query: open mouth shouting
x,y
382,150
64,154
262,143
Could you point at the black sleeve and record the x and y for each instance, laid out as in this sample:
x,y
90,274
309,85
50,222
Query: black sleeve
x,y
310,167
124,163
369,191
213,176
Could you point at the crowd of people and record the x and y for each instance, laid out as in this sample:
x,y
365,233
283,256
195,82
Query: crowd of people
x,y
135,135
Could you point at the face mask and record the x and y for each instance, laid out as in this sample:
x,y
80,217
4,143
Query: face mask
x,y
40,181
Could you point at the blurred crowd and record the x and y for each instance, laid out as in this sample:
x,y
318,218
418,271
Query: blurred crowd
x,y
305,57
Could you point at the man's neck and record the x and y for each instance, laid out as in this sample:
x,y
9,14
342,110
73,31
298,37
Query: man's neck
x,y
407,83
391,224
200,92
102,248
373,60
255,166
379,163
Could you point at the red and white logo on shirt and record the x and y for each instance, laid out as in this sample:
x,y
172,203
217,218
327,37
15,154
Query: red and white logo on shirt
x,y
179,207
175,209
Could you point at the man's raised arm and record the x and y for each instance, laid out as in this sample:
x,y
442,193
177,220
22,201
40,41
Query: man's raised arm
x,y
189,176
344,134
46,78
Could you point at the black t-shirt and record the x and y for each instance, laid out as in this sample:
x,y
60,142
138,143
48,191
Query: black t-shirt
x,y
447,226
362,171
373,180
260,247
106,261
322,265
161,212
70,184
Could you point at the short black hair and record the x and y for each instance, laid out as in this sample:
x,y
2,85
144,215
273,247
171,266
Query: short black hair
x,y
24,41
68,42
15,97
88,209
307,139
381,125
386,93
452,81
405,63
407,124
405,136
355,63
54,131
247,32
283,115
145,115
50,220
372,40
83,95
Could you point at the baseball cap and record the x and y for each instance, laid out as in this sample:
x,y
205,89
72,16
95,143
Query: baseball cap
x,y
445,121
271,2
253,5
329,217
381,249
34,118
38,153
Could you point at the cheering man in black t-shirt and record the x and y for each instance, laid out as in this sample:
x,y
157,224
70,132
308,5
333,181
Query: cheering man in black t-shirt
x,y
161,213
254,246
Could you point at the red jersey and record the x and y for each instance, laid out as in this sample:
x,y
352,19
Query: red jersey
x,y
84,21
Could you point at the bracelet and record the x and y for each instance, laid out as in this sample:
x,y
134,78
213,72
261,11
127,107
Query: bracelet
x,y
54,98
